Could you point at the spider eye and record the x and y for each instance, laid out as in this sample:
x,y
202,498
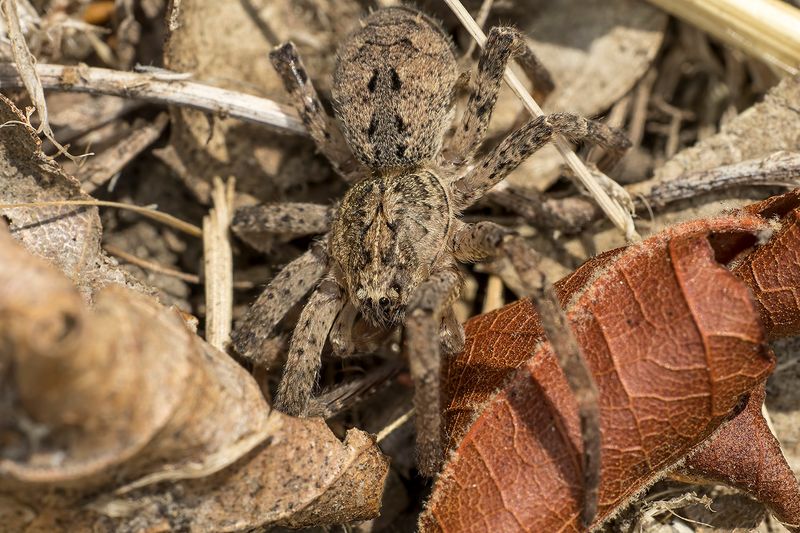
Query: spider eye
x,y
384,302
360,293
394,291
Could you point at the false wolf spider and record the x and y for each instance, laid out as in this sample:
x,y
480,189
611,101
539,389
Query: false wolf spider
x,y
390,249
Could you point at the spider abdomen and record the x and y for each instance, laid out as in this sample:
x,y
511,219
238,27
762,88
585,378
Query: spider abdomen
x,y
393,88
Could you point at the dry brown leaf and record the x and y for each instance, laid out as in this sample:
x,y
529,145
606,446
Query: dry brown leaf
x,y
777,290
68,236
763,129
746,455
119,418
760,131
227,44
648,320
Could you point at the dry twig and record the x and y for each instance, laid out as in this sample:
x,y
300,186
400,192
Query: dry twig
x,y
218,261
572,214
153,88
102,168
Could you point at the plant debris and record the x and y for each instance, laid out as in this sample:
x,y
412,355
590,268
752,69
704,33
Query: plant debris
x,y
137,368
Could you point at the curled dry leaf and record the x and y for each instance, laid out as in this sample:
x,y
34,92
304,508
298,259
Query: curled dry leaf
x,y
770,126
670,369
777,290
746,455
119,418
68,236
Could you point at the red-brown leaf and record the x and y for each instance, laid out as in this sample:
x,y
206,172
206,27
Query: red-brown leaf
x,y
746,455
674,342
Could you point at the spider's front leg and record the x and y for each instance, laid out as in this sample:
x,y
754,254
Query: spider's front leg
x,y
483,240
431,302
253,335
305,352
487,240
520,144
502,45
322,128
256,223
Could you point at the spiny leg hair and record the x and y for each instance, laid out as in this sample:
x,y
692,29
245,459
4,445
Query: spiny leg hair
x,y
293,218
286,289
520,144
502,45
305,352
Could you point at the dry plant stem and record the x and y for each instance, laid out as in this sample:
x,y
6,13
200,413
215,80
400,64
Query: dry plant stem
x,y
151,88
164,218
615,212
397,423
25,62
151,265
158,268
576,370
102,168
768,30
218,260
572,214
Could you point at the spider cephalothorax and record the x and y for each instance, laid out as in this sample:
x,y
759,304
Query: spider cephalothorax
x,y
390,249
400,225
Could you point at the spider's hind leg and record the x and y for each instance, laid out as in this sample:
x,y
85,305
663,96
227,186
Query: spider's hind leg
x,y
520,144
322,128
502,45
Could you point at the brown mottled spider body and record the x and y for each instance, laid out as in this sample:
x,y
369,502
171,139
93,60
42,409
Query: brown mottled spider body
x,y
392,245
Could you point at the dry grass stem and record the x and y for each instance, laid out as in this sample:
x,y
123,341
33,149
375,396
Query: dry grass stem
x,y
494,294
218,261
158,268
151,265
98,170
164,218
391,428
154,88
26,70
618,215
768,30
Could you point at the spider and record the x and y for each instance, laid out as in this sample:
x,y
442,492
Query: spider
x,y
389,251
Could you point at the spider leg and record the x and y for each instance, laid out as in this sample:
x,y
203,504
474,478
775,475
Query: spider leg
x,y
421,343
305,352
341,336
322,128
487,240
519,145
257,225
253,334
502,45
